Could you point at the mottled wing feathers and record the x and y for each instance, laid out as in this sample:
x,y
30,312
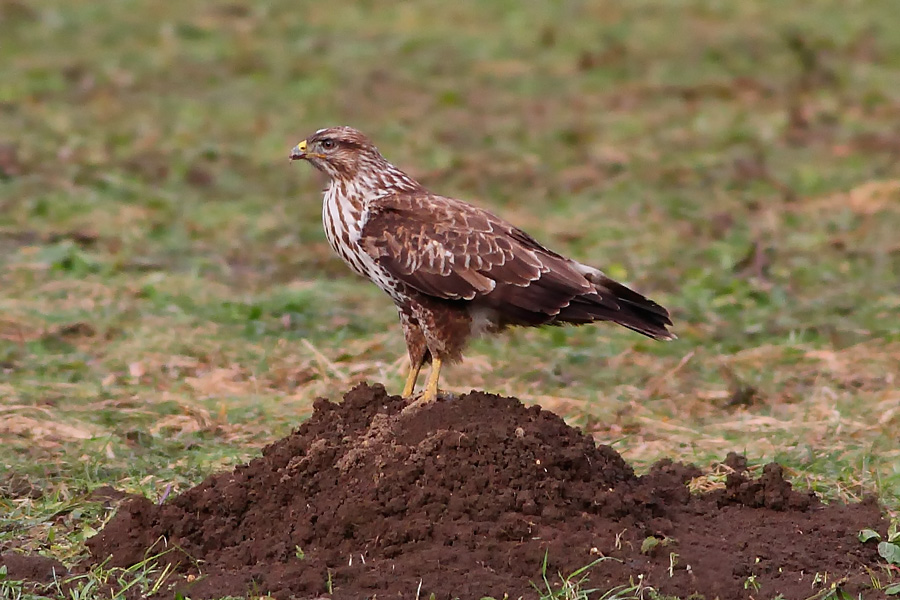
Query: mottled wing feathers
x,y
452,250
456,251
421,253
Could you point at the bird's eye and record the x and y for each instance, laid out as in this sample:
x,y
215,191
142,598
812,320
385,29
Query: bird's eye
x,y
328,144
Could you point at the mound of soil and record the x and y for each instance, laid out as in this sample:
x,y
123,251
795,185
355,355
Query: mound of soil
x,y
465,497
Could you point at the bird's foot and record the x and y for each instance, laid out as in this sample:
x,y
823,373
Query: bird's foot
x,y
421,400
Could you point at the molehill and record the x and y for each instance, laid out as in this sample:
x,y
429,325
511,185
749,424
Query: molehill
x,y
466,497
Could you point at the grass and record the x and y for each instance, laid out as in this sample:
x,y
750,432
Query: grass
x,y
168,302
576,586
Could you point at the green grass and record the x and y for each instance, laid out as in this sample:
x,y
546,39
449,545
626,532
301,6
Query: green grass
x,y
168,302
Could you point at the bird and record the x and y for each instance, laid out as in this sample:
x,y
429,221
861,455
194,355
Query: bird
x,y
453,269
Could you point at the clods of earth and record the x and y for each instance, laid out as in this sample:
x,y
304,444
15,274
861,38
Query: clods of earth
x,y
468,498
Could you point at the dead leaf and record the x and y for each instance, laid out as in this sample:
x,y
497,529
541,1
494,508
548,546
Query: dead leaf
x,y
229,381
43,431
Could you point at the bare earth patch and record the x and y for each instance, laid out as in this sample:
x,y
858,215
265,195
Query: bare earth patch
x,y
463,498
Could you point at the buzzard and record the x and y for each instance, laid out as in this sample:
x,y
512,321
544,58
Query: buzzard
x,y
454,270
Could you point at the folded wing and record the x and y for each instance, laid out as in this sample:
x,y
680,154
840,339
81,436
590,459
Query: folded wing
x,y
454,251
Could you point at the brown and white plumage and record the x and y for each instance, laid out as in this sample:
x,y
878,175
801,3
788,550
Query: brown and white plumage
x,y
453,269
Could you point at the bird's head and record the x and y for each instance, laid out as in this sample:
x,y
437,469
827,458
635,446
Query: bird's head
x,y
339,152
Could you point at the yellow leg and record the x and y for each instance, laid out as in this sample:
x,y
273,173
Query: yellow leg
x,y
431,386
411,380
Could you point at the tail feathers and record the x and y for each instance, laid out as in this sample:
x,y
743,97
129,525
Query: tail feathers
x,y
619,304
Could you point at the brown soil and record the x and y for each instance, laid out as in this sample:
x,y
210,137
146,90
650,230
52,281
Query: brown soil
x,y
465,497
32,568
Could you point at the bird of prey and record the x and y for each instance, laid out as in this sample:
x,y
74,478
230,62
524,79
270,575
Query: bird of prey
x,y
454,270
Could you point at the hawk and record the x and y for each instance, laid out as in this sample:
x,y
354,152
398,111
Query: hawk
x,y
454,270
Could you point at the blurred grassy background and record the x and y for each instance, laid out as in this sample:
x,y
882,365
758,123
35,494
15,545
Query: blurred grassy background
x,y
168,302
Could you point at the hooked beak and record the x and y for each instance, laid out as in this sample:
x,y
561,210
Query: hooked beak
x,y
299,151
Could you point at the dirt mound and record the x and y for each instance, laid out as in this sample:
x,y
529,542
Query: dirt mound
x,y
463,499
